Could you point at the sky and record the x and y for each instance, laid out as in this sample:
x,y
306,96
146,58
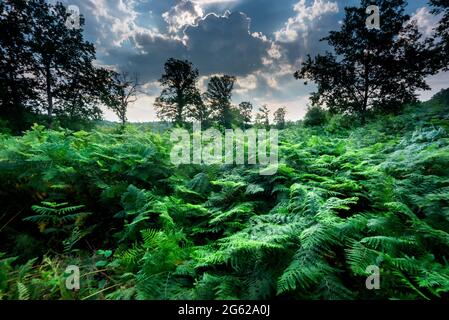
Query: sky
x,y
261,42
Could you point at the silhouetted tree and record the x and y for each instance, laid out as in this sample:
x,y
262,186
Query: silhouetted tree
x,y
315,116
218,96
121,92
16,87
279,118
200,112
442,31
63,59
377,69
263,117
180,92
45,65
246,109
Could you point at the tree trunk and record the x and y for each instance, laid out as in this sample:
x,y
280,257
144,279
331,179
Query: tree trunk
x,y
364,108
49,94
180,108
366,93
363,118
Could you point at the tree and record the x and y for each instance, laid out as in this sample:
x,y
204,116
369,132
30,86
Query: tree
x,y
44,60
442,31
200,112
180,92
46,65
16,87
378,69
63,60
279,118
245,110
121,92
263,117
218,96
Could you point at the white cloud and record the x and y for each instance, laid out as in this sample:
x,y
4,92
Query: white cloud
x,y
426,21
184,13
305,18
209,2
115,20
245,84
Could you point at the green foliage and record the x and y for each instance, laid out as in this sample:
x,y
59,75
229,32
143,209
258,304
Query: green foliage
x,y
372,69
315,116
139,228
46,66
180,93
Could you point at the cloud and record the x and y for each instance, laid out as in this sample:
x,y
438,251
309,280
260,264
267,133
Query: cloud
x,y
301,33
209,2
138,36
184,13
245,84
109,22
145,54
426,21
304,20
224,44
215,45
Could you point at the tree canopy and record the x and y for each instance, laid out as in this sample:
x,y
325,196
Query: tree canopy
x,y
371,69
218,96
180,92
46,66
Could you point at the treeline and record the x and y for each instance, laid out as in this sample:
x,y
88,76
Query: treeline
x,y
181,101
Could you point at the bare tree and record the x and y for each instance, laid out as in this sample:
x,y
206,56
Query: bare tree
x,y
122,92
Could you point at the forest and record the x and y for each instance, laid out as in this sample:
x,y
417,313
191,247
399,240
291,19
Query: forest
x,y
362,182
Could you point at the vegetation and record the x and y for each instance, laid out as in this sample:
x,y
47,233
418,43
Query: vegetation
x,y
279,118
347,195
371,69
180,92
315,116
47,69
141,228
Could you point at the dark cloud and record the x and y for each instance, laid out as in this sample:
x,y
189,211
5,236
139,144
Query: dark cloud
x,y
146,55
217,44
224,44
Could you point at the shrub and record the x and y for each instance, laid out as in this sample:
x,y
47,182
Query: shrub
x,y
315,116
